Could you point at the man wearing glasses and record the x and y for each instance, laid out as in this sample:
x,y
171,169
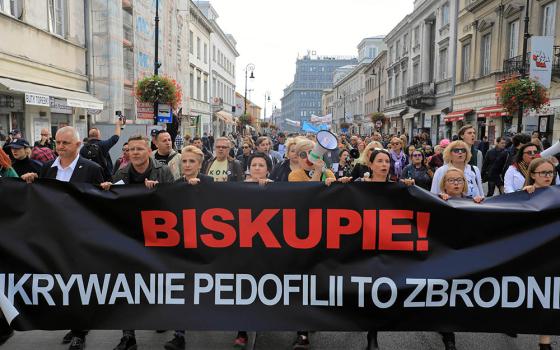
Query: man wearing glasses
x,y
222,167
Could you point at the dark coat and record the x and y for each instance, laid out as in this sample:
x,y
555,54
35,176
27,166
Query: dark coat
x,y
85,171
234,168
159,172
281,171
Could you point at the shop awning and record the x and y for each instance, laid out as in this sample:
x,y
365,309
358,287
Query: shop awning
x,y
74,98
411,113
225,117
395,113
457,115
496,111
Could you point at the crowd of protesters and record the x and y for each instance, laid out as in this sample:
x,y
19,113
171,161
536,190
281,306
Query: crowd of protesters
x,y
452,169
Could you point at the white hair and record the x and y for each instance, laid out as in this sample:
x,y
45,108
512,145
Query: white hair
x,y
69,129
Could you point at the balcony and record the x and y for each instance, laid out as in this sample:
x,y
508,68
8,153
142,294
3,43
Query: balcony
x,y
513,66
421,95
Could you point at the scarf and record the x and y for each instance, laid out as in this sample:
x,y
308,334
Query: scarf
x,y
523,168
398,162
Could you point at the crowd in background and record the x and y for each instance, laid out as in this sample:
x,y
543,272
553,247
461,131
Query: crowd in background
x,y
453,169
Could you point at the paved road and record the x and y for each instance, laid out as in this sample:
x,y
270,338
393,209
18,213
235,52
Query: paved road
x,y
106,340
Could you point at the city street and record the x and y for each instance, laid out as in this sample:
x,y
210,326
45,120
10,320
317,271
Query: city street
x,y
103,340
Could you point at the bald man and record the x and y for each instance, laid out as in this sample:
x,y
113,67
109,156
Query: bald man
x,y
69,166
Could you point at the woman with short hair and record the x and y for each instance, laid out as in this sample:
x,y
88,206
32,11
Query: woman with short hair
x,y
417,172
191,163
457,155
282,170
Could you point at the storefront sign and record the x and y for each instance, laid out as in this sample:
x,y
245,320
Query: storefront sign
x,y
541,59
37,100
84,104
60,106
144,110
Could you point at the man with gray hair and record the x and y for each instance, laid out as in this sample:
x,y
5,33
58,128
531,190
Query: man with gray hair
x,y
70,167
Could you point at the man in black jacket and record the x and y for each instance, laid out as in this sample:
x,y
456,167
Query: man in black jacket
x,y
506,158
70,167
490,172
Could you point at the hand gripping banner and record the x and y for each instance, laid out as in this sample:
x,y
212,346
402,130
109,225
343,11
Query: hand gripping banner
x,y
277,257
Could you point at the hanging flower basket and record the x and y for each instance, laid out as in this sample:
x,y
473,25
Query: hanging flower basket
x,y
161,89
523,93
377,116
245,119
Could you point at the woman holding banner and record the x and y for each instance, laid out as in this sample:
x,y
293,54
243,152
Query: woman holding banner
x,y
281,171
454,185
541,173
191,163
457,155
260,166
310,171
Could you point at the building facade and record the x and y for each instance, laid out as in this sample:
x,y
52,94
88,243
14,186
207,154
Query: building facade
x,y
490,37
43,67
375,89
222,72
302,98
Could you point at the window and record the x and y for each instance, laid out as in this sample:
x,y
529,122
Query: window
x,y
205,53
191,42
205,90
191,85
417,35
56,16
398,50
198,50
404,82
548,20
443,64
445,14
415,73
214,53
214,87
513,42
405,44
485,54
12,8
391,59
397,92
198,86
466,61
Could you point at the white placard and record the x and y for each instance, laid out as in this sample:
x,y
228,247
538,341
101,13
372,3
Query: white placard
x,y
541,59
37,100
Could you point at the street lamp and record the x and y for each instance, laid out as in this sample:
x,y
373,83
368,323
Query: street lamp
x,y
266,99
523,72
378,75
156,56
249,68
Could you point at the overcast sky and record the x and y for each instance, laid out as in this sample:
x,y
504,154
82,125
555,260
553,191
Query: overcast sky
x,y
271,33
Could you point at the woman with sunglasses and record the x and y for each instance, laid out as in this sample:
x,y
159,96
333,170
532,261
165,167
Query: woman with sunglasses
x,y
123,160
457,155
310,171
398,159
516,174
418,172
282,170
246,152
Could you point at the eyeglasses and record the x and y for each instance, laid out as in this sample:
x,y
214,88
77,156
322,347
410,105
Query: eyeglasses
x,y
246,147
395,143
544,173
222,147
531,153
459,150
303,154
125,149
456,181
417,155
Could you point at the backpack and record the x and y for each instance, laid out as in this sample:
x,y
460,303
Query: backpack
x,y
93,152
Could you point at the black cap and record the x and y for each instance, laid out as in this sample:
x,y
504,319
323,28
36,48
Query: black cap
x,y
19,143
154,132
15,131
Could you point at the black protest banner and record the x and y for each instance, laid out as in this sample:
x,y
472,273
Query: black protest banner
x,y
279,257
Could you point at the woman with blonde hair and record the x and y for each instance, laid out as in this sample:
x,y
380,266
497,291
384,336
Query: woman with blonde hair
x,y
458,155
361,165
282,170
398,158
454,185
